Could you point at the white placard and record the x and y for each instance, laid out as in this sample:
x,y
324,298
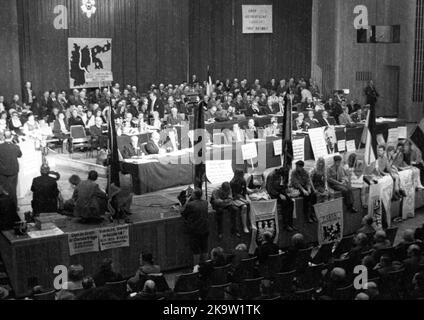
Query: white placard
x,y
351,146
319,146
298,150
393,137
357,182
249,151
257,18
219,171
403,133
341,145
278,147
115,237
45,233
83,242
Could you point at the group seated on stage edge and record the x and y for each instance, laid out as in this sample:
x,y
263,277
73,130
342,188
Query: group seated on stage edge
x,y
395,272
52,115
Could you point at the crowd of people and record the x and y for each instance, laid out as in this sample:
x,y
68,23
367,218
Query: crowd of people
x,y
298,272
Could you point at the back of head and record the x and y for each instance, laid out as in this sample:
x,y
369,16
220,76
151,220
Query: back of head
x,y
338,274
380,236
93,175
361,239
267,236
371,289
362,296
298,240
45,170
149,286
241,247
197,193
414,251
75,273
217,253
74,180
226,187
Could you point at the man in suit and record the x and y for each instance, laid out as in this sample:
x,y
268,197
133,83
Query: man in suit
x,y
96,132
313,123
28,95
45,193
152,146
211,114
156,104
9,167
91,201
251,130
132,150
44,105
326,121
334,109
53,102
371,94
271,108
344,118
196,221
272,130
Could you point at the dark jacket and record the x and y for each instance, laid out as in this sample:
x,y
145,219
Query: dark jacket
x,y
9,154
45,193
195,216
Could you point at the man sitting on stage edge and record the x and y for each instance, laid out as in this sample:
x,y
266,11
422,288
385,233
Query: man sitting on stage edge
x,y
91,202
45,193
338,181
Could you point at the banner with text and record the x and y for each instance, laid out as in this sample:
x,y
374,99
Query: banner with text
x,y
263,217
83,242
407,183
257,18
330,221
380,197
114,237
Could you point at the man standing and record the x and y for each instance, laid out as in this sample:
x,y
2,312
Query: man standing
x,y
371,94
338,180
195,214
9,167
45,193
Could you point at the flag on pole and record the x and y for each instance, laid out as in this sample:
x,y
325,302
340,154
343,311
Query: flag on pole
x,y
114,167
369,138
209,86
287,134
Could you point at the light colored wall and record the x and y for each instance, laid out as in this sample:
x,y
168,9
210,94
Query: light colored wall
x,y
337,47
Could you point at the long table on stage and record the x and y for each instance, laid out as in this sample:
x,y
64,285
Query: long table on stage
x,y
177,170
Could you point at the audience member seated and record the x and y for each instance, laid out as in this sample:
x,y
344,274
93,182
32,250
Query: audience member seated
x,y
147,267
174,119
148,292
75,119
408,239
418,286
326,121
413,263
387,265
133,150
336,279
90,200
301,181
251,131
367,227
45,193
153,145
266,248
360,246
256,187
300,124
273,130
253,110
345,119
311,121
240,253
106,273
297,243
75,277
381,241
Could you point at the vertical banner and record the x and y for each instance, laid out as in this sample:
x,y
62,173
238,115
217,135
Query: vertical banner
x,y
380,197
407,183
263,217
257,18
298,150
90,62
114,237
330,221
83,242
319,145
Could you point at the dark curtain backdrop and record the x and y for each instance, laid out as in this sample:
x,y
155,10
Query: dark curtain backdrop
x,y
153,40
10,77
149,40
216,39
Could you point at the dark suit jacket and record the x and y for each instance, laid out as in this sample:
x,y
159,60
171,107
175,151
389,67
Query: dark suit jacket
x,y
26,96
95,131
330,120
57,130
158,106
151,148
45,194
9,154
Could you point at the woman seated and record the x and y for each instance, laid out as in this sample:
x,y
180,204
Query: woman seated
x,y
3,121
15,124
256,189
156,122
31,128
89,119
240,200
319,182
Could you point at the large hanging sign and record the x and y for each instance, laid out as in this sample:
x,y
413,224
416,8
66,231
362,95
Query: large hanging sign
x,y
257,18
90,62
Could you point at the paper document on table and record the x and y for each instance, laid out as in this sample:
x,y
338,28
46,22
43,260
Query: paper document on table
x,y
45,233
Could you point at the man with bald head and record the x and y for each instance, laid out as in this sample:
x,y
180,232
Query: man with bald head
x,y
148,292
408,239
